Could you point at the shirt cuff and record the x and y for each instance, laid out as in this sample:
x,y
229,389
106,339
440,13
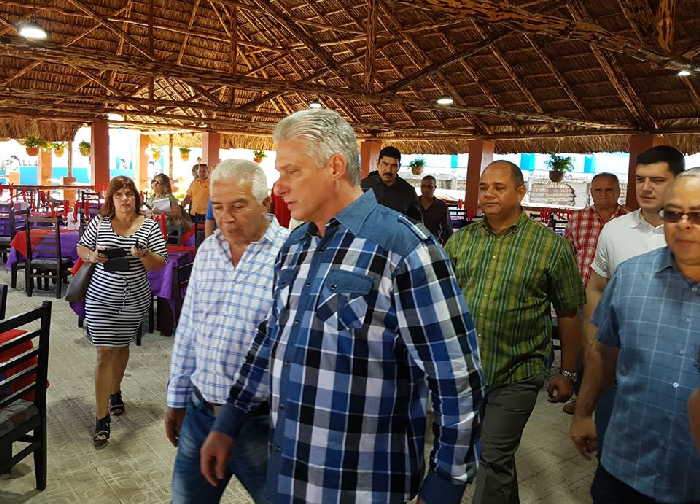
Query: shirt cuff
x,y
599,270
438,489
229,421
178,397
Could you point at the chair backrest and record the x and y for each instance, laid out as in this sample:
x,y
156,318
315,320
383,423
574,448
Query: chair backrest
x,y
50,244
5,211
182,273
18,220
3,301
199,231
37,357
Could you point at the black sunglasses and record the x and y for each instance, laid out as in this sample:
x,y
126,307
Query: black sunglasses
x,y
672,217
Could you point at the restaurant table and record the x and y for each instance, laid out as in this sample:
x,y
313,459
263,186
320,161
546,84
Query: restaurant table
x,y
164,285
18,251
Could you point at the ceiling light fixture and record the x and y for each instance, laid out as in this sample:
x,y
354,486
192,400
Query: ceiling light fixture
x,y
684,73
315,104
445,101
31,31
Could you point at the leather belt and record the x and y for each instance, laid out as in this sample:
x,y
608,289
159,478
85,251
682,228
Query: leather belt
x,y
214,408
261,409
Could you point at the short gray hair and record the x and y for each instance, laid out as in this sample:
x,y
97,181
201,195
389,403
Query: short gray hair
x,y
326,133
243,172
608,175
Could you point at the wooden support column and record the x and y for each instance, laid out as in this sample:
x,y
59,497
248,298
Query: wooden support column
x,y
69,179
45,166
637,145
170,157
142,170
211,142
99,156
369,155
480,155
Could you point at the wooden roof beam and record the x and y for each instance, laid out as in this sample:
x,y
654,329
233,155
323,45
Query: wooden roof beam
x,y
132,65
521,19
110,27
666,17
618,80
558,76
186,39
640,18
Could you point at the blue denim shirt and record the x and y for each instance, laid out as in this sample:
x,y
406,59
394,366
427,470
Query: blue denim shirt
x,y
652,313
364,320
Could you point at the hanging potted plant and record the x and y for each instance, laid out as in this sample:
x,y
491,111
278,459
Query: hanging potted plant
x,y
155,153
558,165
33,144
58,148
259,155
185,153
417,166
84,148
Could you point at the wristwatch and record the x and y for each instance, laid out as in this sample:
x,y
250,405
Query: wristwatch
x,y
571,375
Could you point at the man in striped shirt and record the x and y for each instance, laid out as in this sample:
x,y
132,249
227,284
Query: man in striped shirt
x,y
229,294
366,318
512,270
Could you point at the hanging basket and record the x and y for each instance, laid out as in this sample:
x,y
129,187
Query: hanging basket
x,y
32,151
184,156
556,176
258,160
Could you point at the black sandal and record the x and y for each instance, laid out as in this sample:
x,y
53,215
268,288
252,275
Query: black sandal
x,y
102,432
116,404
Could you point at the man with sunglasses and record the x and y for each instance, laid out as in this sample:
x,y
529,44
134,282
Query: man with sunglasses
x,y
648,328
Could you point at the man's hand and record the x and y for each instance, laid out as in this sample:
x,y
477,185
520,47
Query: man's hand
x,y
584,436
214,456
173,423
560,389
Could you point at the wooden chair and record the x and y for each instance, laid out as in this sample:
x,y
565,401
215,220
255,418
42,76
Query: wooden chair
x,y
6,234
198,234
23,390
18,220
183,273
43,268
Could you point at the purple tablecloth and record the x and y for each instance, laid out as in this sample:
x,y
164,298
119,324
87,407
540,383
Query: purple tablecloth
x,y
69,241
163,282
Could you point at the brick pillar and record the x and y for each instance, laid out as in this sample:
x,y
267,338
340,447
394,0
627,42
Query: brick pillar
x,y
369,155
480,155
637,145
211,142
142,170
45,165
99,155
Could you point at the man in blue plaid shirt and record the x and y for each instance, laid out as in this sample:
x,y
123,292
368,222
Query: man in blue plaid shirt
x,y
366,319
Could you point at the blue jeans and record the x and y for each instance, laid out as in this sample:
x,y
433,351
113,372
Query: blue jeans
x,y
248,458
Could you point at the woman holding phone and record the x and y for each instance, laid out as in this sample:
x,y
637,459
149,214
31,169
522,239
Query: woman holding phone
x,y
118,296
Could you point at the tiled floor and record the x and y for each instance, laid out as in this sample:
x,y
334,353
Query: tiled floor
x,y
136,466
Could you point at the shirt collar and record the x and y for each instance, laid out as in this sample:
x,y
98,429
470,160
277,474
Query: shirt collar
x,y
522,219
641,223
665,261
268,237
352,216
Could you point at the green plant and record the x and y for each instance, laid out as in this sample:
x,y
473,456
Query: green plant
x,y
185,150
84,148
559,163
416,166
32,141
259,154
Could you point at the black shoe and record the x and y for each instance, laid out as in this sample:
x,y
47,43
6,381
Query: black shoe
x,y
102,431
116,404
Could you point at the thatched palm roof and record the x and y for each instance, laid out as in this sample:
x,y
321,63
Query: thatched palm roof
x,y
529,74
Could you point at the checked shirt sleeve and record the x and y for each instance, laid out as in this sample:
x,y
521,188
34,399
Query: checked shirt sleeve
x,y
240,397
183,361
439,333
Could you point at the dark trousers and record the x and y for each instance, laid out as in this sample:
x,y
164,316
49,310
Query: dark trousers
x,y
607,489
508,408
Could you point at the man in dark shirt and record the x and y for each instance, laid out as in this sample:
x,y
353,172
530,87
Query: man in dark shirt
x,y
389,189
436,215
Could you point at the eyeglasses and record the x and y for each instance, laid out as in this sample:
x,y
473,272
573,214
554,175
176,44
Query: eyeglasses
x,y
672,217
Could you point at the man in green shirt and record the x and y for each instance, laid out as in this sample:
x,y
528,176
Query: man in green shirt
x,y
512,270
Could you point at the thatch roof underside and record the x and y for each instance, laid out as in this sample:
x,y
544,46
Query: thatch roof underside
x,y
530,75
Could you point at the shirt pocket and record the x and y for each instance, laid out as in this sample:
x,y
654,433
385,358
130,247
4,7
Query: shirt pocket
x,y
344,300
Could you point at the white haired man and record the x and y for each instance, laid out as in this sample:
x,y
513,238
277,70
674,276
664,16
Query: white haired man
x,y
229,294
366,316
648,327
